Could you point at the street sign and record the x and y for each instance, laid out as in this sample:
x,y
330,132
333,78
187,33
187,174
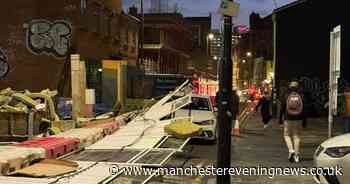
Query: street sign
x,y
334,74
229,8
242,29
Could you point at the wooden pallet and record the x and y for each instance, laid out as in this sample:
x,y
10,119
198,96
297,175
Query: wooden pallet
x,y
14,158
87,136
108,128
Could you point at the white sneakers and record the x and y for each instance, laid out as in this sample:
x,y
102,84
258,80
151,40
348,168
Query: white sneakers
x,y
291,157
294,157
267,125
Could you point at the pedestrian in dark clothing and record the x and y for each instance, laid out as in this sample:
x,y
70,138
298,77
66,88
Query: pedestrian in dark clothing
x,y
264,104
293,114
235,104
347,110
307,101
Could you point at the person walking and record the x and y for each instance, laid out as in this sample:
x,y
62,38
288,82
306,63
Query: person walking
x,y
235,110
264,104
347,110
293,114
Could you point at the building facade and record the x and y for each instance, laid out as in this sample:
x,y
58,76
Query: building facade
x,y
38,36
303,47
200,28
216,45
167,44
201,62
254,52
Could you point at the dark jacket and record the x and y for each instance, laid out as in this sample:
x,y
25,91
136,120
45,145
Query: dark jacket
x,y
285,116
264,103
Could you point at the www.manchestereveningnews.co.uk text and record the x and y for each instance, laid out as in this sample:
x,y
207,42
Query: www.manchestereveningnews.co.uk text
x,y
233,171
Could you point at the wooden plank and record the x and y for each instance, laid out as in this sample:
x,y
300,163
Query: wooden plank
x,y
107,155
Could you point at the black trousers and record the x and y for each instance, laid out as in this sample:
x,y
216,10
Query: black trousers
x,y
266,118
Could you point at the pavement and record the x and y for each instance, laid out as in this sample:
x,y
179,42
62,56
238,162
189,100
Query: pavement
x,y
266,147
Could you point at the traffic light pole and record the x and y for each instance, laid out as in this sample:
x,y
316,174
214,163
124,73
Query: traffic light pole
x,y
225,107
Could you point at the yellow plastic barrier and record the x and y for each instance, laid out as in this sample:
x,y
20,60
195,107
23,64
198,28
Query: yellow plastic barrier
x,y
183,128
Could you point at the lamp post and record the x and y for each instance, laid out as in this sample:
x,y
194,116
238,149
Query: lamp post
x,y
210,37
274,89
225,103
250,67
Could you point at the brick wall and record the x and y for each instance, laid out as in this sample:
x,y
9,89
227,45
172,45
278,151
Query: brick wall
x,y
94,35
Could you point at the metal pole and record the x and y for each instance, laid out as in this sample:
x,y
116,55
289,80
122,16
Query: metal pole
x,y
142,35
274,90
225,101
331,86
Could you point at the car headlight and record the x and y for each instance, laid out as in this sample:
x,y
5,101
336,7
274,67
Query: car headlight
x,y
319,151
337,152
207,122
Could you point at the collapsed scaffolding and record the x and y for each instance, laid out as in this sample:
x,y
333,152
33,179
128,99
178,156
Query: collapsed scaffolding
x,y
142,142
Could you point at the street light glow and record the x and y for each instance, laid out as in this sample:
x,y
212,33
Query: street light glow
x,y
211,36
243,61
267,81
215,58
249,54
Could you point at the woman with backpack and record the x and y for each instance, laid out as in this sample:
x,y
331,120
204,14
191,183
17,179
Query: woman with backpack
x,y
293,114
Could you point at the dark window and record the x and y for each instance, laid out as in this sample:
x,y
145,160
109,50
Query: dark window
x,y
83,7
199,104
94,78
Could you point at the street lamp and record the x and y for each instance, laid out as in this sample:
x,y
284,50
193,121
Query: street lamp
x,y
215,58
244,61
249,54
211,36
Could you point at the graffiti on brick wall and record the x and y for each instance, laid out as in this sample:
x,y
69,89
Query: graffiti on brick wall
x,y
4,66
317,91
15,40
51,38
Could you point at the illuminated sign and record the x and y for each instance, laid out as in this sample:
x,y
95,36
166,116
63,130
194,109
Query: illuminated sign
x,y
242,29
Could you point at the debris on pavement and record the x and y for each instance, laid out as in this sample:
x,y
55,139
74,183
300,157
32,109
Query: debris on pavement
x,y
48,168
183,128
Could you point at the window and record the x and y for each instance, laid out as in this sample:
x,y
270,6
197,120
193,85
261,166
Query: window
x,y
198,103
83,7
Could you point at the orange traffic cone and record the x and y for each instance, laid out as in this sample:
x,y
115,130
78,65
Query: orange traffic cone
x,y
235,131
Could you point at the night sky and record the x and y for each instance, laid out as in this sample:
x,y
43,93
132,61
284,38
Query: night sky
x,y
203,7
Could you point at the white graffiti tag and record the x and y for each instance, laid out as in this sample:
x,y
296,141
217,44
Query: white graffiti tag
x,y
49,38
4,66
